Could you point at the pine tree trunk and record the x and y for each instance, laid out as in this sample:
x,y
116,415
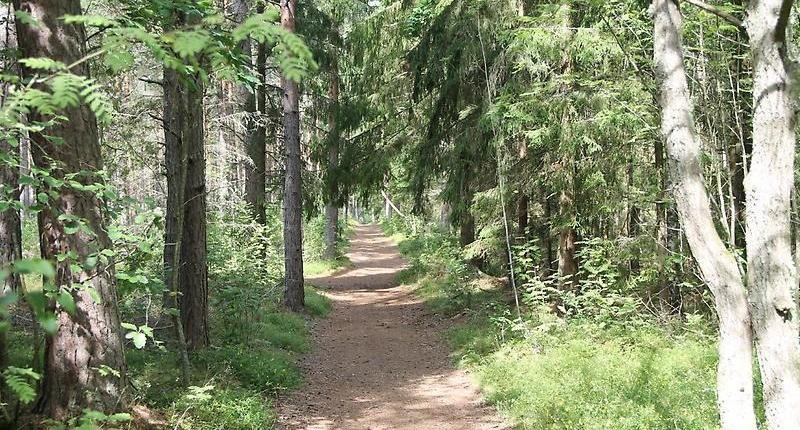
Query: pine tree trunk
x,y
331,208
184,134
253,136
92,338
771,274
293,294
717,264
173,128
194,267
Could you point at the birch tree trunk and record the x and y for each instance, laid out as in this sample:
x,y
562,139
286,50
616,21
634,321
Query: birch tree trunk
x,y
91,339
772,278
717,264
293,294
10,222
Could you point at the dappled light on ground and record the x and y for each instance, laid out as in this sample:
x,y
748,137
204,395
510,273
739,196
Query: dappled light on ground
x,y
378,360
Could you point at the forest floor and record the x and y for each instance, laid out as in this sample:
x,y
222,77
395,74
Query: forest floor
x,y
378,360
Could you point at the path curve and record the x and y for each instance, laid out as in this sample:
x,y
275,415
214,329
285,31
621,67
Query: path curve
x,y
378,362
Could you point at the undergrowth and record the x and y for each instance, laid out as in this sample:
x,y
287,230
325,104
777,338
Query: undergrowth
x,y
598,367
255,343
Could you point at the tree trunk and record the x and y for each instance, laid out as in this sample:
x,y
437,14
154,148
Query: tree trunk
x,y
466,229
771,275
10,223
522,216
717,264
546,236
331,208
567,247
254,134
293,294
184,135
194,267
91,339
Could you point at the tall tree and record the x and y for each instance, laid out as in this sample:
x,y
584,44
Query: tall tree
x,y
293,294
253,135
10,225
184,126
84,360
331,206
771,273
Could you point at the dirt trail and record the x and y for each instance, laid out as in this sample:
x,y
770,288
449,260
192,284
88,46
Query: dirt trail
x,y
378,361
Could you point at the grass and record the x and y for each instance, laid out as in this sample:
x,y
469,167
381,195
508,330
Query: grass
x,y
549,373
325,267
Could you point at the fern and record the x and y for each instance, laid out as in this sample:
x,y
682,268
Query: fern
x,y
20,382
45,64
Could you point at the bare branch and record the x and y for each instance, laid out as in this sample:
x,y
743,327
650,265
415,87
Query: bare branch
x,y
718,12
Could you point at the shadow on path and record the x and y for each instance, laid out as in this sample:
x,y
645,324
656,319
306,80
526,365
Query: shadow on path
x,y
378,361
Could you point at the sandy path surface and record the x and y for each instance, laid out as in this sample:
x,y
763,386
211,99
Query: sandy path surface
x,y
378,361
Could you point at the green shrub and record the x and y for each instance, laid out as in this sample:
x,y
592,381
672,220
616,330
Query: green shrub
x,y
317,304
602,366
258,367
222,408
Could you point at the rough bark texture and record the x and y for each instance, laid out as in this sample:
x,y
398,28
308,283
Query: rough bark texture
x,y
184,126
717,264
91,339
331,208
772,278
194,266
293,294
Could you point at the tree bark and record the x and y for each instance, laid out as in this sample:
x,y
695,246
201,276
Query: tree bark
x,y
717,264
331,206
194,266
184,149
91,339
293,294
771,275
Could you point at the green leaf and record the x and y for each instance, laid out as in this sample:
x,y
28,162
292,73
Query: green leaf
x,y
49,324
139,339
43,64
67,302
37,266
189,43
26,18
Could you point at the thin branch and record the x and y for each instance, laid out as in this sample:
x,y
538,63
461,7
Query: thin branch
x,y
151,81
718,12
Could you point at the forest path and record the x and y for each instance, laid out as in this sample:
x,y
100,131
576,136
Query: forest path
x,y
378,361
